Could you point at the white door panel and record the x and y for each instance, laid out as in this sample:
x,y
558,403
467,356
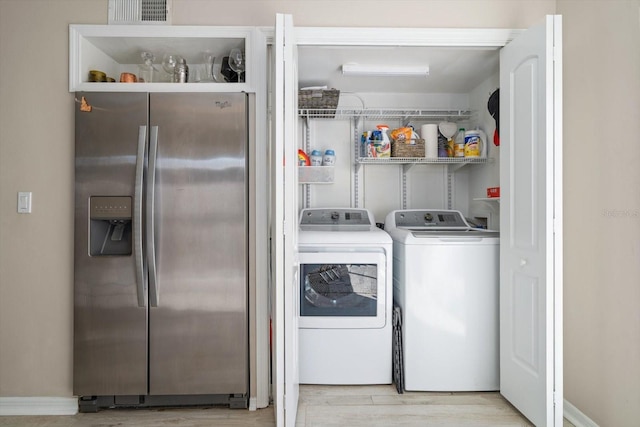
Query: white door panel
x,y
530,327
284,224
291,266
277,224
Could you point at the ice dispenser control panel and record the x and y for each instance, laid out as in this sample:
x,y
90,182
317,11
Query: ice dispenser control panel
x,y
110,219
111,207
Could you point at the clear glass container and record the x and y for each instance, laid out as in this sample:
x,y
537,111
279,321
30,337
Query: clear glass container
x,y
147,72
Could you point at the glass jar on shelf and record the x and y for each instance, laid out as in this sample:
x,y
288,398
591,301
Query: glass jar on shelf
x,y
147,72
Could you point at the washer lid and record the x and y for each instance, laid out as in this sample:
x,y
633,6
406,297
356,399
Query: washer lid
x,y
335,219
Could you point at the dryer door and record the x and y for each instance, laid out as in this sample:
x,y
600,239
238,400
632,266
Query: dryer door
x,y
342,290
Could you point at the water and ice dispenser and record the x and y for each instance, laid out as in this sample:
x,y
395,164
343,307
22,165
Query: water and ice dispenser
x,y
110,225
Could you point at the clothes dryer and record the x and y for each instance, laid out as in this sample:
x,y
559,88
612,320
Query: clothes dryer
x,y
345,328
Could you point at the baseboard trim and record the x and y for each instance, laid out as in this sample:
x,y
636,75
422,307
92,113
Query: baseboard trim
x,y
69,406
576,417
38,406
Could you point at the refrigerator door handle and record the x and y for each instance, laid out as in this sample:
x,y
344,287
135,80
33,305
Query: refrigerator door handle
x,y
151,251
141,282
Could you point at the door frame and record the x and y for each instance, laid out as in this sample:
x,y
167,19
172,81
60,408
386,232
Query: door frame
x,y
425,37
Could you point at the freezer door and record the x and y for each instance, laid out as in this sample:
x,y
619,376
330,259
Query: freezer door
x,y
110,320
198,280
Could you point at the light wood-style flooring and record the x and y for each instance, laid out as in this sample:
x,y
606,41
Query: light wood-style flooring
x,y
319,406
382,406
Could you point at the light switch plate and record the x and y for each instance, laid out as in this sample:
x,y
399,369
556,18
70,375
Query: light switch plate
x,y
24,202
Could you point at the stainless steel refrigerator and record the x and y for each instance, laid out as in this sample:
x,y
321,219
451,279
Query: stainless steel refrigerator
x,y
161,235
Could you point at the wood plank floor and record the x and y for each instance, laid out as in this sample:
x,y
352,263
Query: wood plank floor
x,y
382,406
319,406
186,417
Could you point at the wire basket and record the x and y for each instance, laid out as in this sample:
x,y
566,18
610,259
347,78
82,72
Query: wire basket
x,y
325,100
402,149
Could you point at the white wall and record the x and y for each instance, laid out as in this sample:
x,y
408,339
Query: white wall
x,y
366,13
602,208
488,175
37,154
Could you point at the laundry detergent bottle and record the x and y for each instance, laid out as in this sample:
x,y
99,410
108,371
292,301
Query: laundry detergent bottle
x,y
384,130
383,147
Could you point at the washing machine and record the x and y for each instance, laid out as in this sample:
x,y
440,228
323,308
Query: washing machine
x,y
446,283
346,290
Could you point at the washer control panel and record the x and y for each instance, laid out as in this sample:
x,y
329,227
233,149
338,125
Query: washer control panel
x,y
335,219
430,218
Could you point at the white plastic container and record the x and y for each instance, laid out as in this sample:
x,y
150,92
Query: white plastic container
x,y
316,158
475,143
329,158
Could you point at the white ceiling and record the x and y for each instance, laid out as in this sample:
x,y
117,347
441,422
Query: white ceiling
x,y
451,70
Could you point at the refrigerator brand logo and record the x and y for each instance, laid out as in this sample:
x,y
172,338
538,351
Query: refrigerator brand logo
x,y
223,104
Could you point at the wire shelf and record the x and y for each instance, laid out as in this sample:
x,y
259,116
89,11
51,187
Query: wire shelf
x,y
372,113
414,160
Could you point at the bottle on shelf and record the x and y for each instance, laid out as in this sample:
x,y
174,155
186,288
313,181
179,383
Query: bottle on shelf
x,y
329,158
458,146
384,131
382,142
181,71
316,158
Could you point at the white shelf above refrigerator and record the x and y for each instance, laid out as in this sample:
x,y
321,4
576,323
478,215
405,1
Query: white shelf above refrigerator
x,y
115,49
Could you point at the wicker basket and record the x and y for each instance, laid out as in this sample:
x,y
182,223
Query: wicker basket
x,y
324,100
401,149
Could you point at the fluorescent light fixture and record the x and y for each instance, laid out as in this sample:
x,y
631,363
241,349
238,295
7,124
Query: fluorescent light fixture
x,y
385,70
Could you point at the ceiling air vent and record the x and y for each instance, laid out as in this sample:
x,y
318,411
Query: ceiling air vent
x,y
139,11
